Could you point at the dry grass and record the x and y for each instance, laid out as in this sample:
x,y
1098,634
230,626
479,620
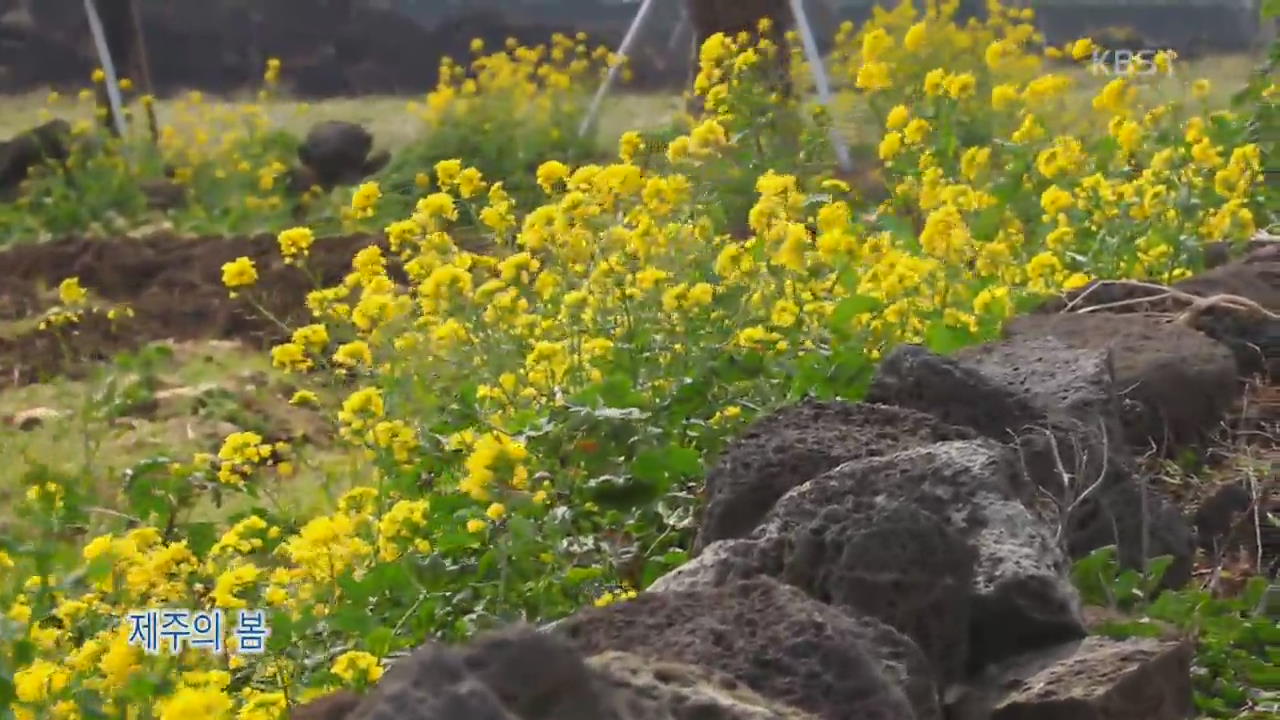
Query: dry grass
x,y
206,391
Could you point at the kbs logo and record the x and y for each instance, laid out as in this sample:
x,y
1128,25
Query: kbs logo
x,y
1132,62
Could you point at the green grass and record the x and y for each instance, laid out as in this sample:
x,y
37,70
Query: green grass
x,y
387,117
166,400
393,127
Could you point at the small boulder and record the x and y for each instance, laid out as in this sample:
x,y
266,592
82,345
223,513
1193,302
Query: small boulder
x,y
50,142
1218,518
523,674
785,448
1253,338
1020,596
723,562
662,690
774,639
337,153
1036,393
1175,384
893,562
1093,679
896,564
1057,405
518,674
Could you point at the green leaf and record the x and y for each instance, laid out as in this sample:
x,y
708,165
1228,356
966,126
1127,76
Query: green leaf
x,y
944,339
1270,8
1093,575
689,397
354,619
1156,568
201,537
851,307
24,653
617,391
898,226
666,464
7,694
379,639
579,575
623,492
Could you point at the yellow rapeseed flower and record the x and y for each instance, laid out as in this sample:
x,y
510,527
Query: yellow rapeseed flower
x,y
295,243
239,273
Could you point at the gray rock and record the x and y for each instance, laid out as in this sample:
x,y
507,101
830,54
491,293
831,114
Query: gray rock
x,y
519,674
785,448
774,639
1175,384
915,628
644,688
1093,679
1253,338
336,153
522,674
1058,406
1021,392
893,562
1020,594
723,562
901,660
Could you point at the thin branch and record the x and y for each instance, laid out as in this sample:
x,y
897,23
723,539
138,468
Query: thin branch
x,y
1198,304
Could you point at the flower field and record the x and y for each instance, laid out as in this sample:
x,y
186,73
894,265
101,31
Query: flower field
x,y
535,346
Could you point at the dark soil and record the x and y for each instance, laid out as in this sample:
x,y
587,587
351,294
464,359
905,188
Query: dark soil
x,y
174,286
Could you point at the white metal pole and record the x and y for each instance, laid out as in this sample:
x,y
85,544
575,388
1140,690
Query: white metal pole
x,y
109,68
627,41
820,79
681,26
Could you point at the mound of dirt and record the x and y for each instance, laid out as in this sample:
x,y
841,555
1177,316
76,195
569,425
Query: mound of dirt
x,y
173,285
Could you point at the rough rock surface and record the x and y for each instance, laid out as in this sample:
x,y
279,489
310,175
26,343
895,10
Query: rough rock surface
x,y
1175,384
1093,679
1020,592
1016,391
1058,405
915,626
519,674
645,688
1071,391
894,563
775,639
723,562
523,674
785,448
1253,339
